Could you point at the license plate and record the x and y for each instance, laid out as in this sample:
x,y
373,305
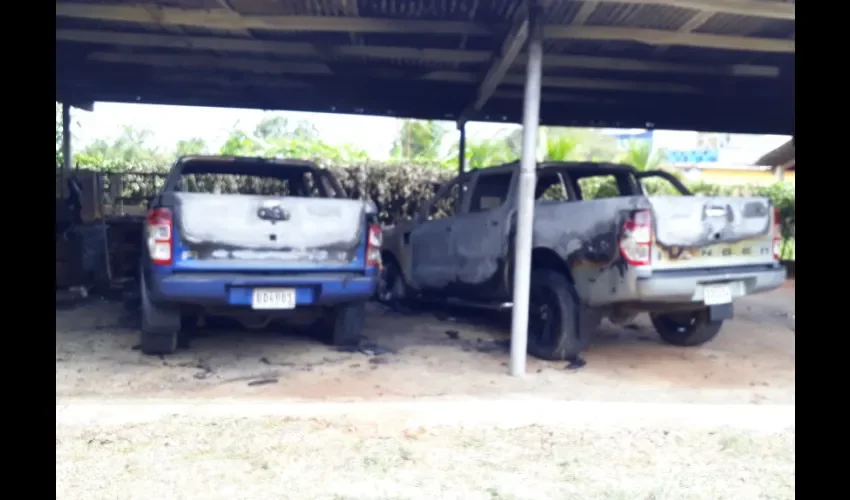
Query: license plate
x,y
273,298
714,295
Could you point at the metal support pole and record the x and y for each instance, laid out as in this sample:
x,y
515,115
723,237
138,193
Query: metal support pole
x,y
66,146
780,172
525,196
461,161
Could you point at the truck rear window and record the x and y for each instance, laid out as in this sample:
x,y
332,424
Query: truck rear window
x,y
251,179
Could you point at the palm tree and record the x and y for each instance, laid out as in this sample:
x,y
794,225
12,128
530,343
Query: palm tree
x,y
565,147
418,140
641,156
483,153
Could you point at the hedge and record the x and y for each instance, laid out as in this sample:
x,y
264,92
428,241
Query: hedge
x,y
398,190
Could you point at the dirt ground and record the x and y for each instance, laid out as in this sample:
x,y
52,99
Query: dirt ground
x,y
337,459
428,413
752,361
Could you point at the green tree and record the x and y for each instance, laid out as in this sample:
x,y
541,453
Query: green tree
x,y
418,140
564,147
239,143
129,151
194,146
273,126
568,144
279,127
640,155
481,154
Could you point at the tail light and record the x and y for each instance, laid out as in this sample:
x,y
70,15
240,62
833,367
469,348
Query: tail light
x,y
636,241
159,235
777,234
373,246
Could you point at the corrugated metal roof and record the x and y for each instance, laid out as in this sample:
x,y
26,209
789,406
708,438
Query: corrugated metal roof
x,y
676,64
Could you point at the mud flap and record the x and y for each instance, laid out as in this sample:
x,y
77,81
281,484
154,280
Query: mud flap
x,y
719,313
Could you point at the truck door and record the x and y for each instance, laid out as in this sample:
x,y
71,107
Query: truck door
x,y
433,263
481,236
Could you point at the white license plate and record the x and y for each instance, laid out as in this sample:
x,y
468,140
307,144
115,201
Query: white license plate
x,y
714,295
273,298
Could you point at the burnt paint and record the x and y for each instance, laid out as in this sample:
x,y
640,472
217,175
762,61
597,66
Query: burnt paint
x,y
586,235
684,221
210,223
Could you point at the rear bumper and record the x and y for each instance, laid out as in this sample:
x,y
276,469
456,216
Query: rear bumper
x,y
686,286
236,289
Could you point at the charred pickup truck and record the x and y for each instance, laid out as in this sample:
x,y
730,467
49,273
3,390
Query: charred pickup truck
x,y
681,258
256,239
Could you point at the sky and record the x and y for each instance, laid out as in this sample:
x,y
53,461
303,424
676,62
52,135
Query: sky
x,y
375,135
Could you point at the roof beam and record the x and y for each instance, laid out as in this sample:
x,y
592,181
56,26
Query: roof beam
x,y
300,49
228,20
499,66
212,63
263,67
662,37
754,8
570,82
692,24
585,12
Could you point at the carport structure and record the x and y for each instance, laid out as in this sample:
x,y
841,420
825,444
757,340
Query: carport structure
x,y
719,65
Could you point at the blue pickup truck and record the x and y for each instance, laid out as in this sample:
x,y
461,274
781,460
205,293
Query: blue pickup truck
x,y
258,240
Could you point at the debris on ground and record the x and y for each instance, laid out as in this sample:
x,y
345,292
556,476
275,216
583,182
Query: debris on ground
x,y
262,381
632,327
575,363
453,334
487,346
444,317
379,360
266,361
367,348
205,367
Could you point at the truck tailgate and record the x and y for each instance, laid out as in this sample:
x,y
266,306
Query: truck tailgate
x,y
233,230
702,232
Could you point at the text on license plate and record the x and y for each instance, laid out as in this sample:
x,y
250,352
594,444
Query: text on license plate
x,y
717,294
273,298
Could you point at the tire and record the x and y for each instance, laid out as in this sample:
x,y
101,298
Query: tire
x,y
160,326
343,326
685,329
563,330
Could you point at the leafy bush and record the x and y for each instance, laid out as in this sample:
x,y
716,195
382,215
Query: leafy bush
x,y
397,190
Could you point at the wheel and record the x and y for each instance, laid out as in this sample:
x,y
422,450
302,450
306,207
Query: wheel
x,y
559,328
160,326
686,329
343,326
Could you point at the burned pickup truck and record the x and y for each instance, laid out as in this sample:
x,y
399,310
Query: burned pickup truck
x,y
256,239
681,258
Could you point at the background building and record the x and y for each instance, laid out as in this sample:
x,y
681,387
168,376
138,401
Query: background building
x,y
712,157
